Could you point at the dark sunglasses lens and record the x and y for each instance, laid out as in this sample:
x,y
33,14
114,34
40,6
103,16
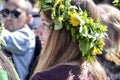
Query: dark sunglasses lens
x,y
5,12
15,14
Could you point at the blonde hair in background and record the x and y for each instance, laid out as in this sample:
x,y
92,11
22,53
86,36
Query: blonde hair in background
x,y
61,49
110,16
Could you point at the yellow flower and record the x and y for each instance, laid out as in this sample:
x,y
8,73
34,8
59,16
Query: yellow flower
x,y
58,1
101,44
60,19
62,6
96,51
74,19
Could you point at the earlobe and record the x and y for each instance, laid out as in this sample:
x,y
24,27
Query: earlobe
x,y
29,17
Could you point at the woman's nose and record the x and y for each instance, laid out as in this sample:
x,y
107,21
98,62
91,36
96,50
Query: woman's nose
x,y
38,32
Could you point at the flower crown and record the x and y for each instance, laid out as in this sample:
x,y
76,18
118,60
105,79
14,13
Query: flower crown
x,y
88,34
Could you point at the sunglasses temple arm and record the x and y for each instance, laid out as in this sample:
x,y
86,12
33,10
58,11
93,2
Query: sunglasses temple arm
x,y
0,12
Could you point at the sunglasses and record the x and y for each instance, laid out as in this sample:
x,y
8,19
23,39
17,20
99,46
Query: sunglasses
x,y
14,13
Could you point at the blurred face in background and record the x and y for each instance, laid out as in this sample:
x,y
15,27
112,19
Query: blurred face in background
x,y
14,14
42,31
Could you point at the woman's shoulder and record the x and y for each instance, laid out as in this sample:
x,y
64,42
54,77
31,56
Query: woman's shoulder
x,y
7,70
3,75
60,72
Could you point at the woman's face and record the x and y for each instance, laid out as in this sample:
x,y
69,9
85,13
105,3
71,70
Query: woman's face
x,y
42,31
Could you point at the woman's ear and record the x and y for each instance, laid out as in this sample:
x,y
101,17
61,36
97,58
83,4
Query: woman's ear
x,y
29,18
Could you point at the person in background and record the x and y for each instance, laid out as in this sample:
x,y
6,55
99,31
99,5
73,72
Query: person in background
x,y
110,59
61,56
7,70
1,7
19,38
34,24
35,20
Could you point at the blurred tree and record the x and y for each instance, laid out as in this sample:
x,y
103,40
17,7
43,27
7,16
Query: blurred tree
x,y
117,3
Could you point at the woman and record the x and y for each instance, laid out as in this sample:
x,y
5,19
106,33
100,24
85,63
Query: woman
x,y
110,59
61,57
7,71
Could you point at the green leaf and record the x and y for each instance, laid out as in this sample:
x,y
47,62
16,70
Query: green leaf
x,y
80,29
46,7
2,41
73,32
91,21
58,25
103,27
85,14
84,46
48,1
85,30
41,1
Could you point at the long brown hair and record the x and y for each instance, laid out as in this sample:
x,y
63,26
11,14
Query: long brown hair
x,y
60,48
